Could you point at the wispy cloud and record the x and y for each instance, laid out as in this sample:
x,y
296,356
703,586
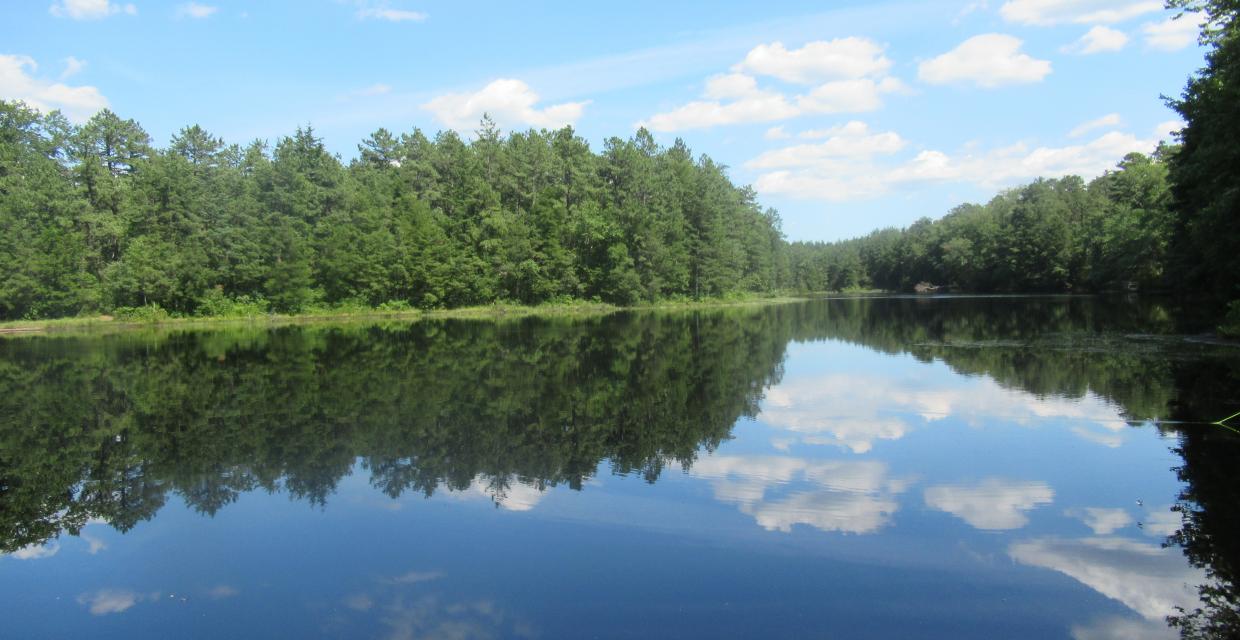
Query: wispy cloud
x,y
367,10
89,9
196,11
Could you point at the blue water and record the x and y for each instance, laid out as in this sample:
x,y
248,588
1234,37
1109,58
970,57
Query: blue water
x,y
888,469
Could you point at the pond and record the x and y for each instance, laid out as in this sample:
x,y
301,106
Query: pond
x,y
932,467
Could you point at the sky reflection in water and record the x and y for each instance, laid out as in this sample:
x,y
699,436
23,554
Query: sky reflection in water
x,y
875,484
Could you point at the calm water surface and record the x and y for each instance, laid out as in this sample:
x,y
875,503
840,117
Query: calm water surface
x,y
878,468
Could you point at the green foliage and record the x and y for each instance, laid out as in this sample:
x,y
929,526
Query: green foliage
x,y
145,313
215,303
96,218
1049,235
1231,322
1206,183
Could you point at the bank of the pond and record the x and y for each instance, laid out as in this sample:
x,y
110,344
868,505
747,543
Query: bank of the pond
x,y
105,323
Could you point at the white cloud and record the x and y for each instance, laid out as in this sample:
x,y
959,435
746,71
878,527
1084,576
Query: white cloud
x,y
972,7
89,9
73,66
818,61
776,133
1051,12
748,103
879,408
513,496
994,504
196,11
1102,521
988,60
1149,579
107,601
1118,628
16,83
95,545
851,140
844,496
509,102
849,74
1168,130
1161,522
1105,122
837,181
1098,40
383,12
1173,34
731,85
849,96
37,551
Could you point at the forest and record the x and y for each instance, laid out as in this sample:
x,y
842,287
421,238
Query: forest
x,y
1169,221
93,218
96,219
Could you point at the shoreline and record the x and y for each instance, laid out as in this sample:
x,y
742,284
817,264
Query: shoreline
x,y
104,323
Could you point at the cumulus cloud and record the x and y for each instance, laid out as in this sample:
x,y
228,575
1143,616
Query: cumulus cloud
x,y
848,141
838,181
818,61
1161,522
1105,122
1102,521
1098,40
18,82
1149,579
89,9
36,551
105,601
196,11
1051,12
994,504
988,60
847,75
844,496
509,102
878,407
1173,34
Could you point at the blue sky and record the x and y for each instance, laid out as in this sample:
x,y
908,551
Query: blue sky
x,y
845,116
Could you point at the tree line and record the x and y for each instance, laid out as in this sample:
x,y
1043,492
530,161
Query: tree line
x,y
1060,234
1168,221
95,218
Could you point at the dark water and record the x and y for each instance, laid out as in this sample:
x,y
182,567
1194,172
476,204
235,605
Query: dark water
x,y
883,468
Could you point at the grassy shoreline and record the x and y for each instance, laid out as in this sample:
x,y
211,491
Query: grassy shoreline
x,y
16,328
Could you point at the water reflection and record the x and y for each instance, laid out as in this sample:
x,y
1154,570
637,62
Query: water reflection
x,y
993,504
942,433
847,496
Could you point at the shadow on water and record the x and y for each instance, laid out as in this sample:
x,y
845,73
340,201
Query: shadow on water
x,y
107,428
